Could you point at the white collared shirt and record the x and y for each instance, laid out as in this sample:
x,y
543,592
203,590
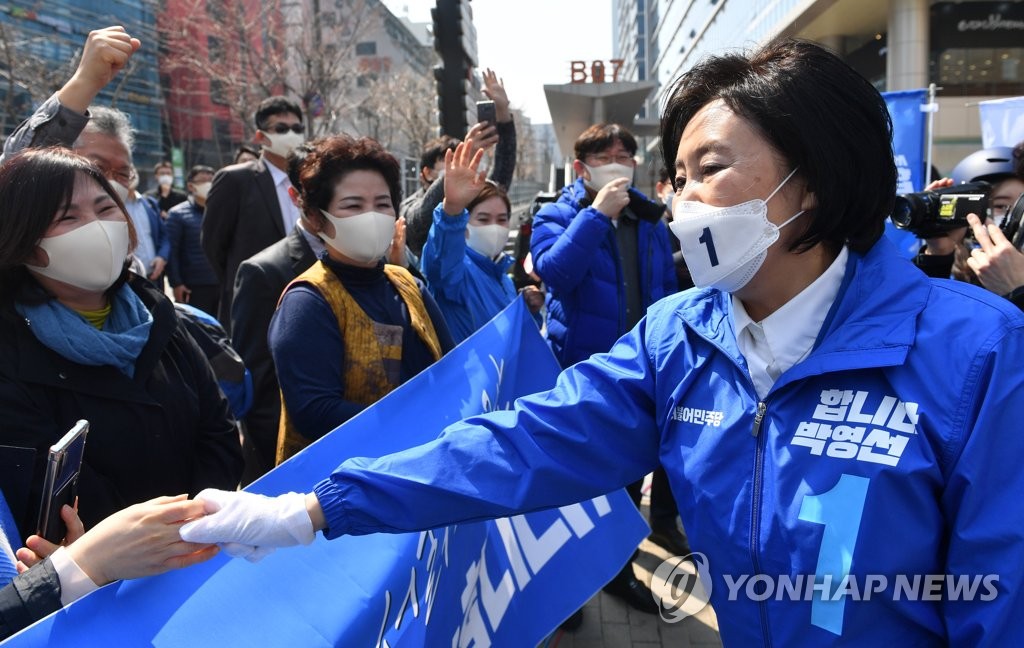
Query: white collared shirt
x,y
145,251
289,212
787,336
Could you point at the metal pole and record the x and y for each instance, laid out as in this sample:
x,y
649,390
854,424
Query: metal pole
x,y
932,108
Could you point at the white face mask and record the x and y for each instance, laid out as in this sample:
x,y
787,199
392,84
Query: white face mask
x,y
602,175
724,247
90,257
363,238
488,240
164,180
122,191
283,144
201,190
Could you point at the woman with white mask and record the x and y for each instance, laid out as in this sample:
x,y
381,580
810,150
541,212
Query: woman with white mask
x,y
83,338
826,414
351,328
464,260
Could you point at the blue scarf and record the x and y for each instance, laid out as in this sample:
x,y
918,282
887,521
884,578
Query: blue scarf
x,y
119,343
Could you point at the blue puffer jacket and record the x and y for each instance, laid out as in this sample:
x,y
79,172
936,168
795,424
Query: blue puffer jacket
x,y
576,254
187,263
469,288
889,459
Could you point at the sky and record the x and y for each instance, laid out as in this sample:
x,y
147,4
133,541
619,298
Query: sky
x,y
530,43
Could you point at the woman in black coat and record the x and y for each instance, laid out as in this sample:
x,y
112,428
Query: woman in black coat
x,y
83,338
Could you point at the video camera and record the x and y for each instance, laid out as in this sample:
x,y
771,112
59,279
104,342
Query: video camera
x,y
929,214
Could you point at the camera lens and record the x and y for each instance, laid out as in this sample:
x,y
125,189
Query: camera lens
x,y
903,212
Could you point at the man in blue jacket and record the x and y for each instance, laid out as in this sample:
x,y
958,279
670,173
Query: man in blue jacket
x,y
601,248
602,251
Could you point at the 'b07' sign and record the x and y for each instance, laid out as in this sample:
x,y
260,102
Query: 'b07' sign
x,y
598,72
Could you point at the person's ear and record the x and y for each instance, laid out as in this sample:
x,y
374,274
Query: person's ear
x,y
38,257
294,195
580,169
809,201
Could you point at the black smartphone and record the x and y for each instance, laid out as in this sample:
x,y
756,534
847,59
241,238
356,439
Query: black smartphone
x,y
60,486
485,112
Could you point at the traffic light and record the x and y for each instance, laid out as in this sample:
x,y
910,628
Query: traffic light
x,y
455,41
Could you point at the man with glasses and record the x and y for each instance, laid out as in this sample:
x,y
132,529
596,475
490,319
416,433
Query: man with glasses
x,y
248,208
602,251
108,139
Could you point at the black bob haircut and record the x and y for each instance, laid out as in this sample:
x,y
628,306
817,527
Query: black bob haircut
x,y
820,115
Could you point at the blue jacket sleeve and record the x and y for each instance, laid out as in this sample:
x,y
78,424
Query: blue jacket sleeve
x,y
444,254
303,333
175,236
565,245
551,449
161,243
982,501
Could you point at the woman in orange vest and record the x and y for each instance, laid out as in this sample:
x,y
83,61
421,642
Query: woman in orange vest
x,y
351,328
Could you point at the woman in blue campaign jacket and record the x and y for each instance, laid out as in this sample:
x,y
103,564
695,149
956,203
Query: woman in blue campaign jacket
x,y
840,431
463,259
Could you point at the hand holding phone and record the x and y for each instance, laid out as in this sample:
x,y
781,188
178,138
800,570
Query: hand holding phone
x,y
60,486
485,112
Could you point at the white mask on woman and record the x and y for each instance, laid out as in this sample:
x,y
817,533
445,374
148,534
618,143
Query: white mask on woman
x,y
363,237
90,257
724,247
488,240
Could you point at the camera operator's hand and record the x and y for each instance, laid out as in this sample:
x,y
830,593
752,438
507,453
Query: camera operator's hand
x,y
946,244
999,266
613,198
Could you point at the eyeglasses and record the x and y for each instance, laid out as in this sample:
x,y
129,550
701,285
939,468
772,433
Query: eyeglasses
x,y
122,176
281,129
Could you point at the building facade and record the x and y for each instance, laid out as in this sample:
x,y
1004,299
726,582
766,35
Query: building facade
x,y
43,41
972,50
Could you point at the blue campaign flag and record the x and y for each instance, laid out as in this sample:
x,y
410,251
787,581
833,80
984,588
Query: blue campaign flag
x,y
506,582
908,135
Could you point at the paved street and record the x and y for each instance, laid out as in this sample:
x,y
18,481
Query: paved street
x,y
609,623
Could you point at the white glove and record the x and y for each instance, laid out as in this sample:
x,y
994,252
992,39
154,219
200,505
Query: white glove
x,y
249,525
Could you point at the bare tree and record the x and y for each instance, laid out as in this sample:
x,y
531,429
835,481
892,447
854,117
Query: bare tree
x,y
235,55
322,40
400,111
28,79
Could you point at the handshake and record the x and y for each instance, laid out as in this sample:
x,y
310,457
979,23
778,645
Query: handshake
x,y
250,526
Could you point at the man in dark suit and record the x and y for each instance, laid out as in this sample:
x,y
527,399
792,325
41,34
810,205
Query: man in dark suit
x,y
258,285
248,208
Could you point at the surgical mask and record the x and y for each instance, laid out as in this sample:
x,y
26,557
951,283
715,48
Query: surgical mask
x,y
724,247
284,143
364,237
488,240
201,190
90,257
602,175
122,191
164,180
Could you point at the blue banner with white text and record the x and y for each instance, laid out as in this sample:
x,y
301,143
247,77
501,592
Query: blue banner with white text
x,y
908,142
507,582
